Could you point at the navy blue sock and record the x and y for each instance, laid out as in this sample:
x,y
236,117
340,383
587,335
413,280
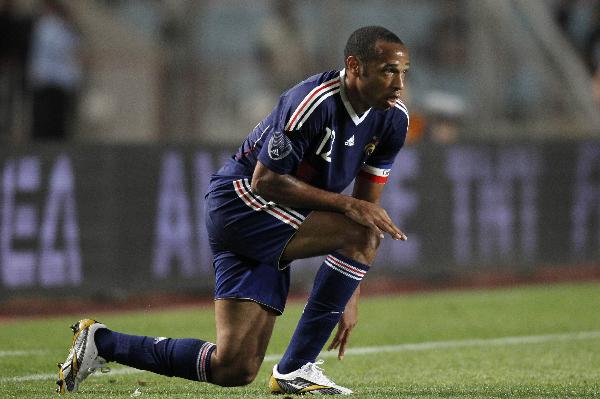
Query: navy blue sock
x,y
335,282
186,358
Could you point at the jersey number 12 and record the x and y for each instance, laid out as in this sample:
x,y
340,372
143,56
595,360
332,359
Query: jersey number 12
x,y
329,134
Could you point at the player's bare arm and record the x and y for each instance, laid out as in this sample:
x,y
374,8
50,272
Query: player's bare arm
x,y
290,191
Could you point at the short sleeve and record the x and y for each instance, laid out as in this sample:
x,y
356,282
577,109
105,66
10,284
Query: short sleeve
x,y
378,165
284,149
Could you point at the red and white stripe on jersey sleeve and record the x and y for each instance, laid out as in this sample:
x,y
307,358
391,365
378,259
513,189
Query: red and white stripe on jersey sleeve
x,y
311,101
376,175
345,268
256,202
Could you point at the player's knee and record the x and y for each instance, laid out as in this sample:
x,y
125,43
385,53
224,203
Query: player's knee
x,y
246,376
236,372
362,240
361,244
243,375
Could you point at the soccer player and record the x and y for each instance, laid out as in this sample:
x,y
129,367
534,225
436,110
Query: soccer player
x,y
276,200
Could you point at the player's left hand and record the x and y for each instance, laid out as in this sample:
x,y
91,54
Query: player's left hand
x,y
347,323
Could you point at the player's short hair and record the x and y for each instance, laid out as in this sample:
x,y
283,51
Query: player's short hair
x,y
361,42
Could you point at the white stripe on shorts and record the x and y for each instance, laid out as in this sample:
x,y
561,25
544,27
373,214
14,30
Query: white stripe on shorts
x,y
256,202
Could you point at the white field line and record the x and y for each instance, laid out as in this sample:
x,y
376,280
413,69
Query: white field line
x,y
422,346
21,353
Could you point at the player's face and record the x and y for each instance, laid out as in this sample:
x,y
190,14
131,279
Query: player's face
x,y
381,80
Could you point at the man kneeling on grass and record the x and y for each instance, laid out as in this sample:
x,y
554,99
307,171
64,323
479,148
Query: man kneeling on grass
x,y
276,200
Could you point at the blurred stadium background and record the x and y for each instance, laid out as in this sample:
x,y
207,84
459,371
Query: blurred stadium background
x,y
499,182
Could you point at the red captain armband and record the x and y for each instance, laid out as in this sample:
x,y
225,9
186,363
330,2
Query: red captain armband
x,y
373,174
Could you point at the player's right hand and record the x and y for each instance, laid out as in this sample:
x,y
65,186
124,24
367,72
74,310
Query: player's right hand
x,y
374,217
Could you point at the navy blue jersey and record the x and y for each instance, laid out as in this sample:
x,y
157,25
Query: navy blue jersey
x,y
315,135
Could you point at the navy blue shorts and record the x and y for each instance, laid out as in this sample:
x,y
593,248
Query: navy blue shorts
x,y
247,235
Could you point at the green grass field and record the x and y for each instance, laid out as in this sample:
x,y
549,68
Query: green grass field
x,y
525,342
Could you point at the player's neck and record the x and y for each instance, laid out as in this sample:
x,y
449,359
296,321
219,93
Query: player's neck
x,y
359,106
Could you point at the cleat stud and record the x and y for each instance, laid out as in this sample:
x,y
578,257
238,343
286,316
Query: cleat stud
x,y
59,365
75,327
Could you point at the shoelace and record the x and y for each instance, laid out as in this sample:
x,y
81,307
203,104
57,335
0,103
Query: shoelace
x,y
316,373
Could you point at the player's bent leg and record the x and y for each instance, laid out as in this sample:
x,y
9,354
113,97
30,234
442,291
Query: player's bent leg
x,y
94,345
243,332
244,329
324,232
351,249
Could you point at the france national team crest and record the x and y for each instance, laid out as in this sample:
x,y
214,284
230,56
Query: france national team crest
x,y
279,146
369,148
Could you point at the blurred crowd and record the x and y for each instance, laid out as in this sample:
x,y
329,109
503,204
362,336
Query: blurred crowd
x,y
41,66
45,63
580,22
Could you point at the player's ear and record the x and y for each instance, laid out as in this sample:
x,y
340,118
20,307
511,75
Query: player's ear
x,y
353,65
